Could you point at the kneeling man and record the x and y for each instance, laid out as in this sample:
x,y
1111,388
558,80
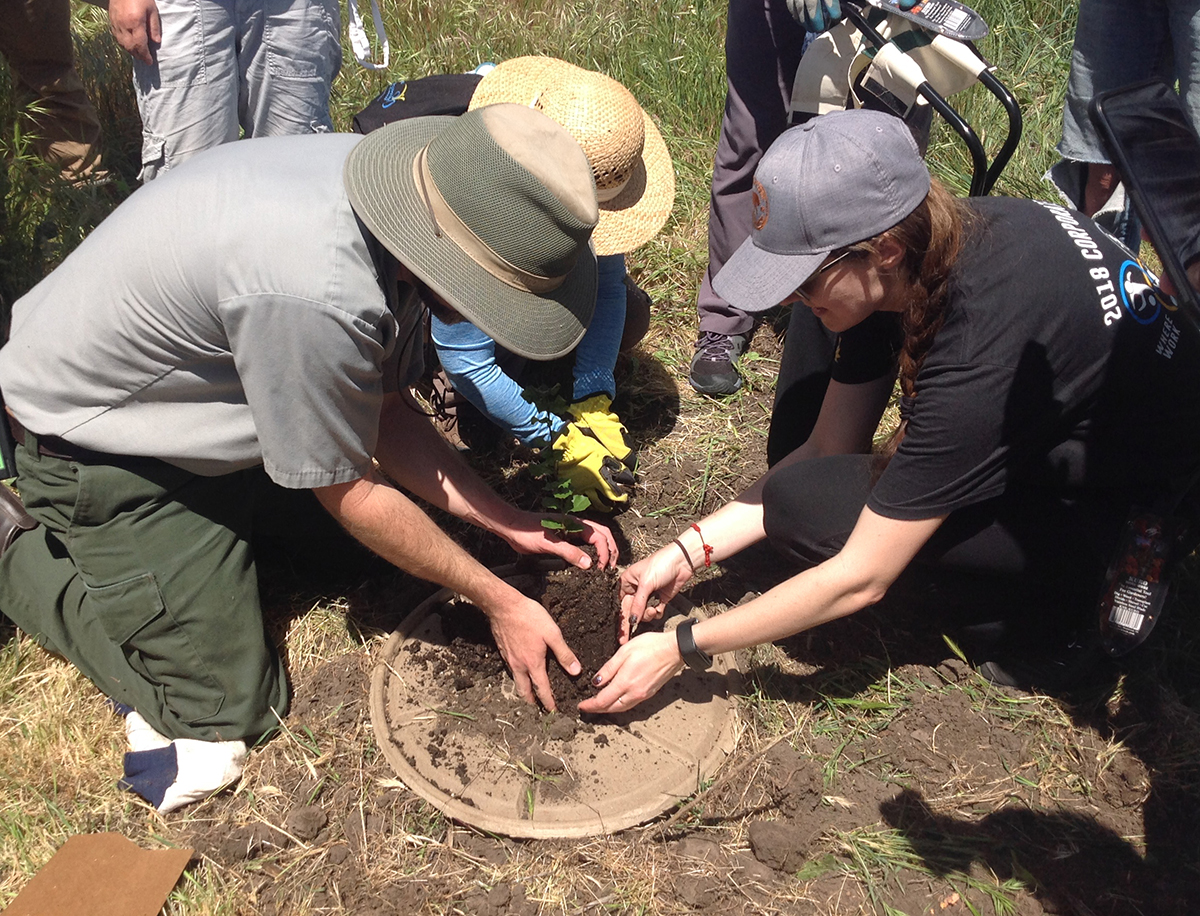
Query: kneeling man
x,y
263,307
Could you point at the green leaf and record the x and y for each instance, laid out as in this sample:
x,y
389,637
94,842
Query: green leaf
x,y
579,503
543,469
553,524
816,868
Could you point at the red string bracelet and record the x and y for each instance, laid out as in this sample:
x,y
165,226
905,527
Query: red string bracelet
x,y
707,547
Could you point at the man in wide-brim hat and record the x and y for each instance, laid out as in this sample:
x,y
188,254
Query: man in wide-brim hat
x,y
262,308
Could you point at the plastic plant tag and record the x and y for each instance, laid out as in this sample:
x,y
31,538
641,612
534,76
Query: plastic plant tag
x,y
1136,585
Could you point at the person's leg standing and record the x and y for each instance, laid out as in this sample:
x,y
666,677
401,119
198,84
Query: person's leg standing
x,y
288,57
188,96
142,575
763,44
1185,35
1116,44
36,41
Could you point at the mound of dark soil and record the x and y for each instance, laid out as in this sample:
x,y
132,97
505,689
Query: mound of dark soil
x,y
584,604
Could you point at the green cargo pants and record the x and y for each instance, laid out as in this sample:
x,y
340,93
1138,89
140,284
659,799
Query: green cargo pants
x,y
142,575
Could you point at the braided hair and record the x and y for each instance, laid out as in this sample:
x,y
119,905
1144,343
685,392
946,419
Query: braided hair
x,y
932,237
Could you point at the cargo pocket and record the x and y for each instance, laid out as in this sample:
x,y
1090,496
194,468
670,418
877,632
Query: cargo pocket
x,y
154,157
302,39
135,617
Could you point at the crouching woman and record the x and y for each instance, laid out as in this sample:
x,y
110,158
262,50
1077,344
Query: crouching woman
x,y
1046,390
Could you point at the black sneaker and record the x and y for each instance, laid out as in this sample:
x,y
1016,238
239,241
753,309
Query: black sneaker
x,y
1066,669
713,370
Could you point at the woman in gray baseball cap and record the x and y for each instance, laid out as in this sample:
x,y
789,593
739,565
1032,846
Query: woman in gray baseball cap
x,y
1046,392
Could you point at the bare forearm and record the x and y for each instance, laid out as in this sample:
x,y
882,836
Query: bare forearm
x,y
395,528
388,522
875,553
808,599
414,454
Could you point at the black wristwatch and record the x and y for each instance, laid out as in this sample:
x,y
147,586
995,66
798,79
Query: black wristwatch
x,y
696,660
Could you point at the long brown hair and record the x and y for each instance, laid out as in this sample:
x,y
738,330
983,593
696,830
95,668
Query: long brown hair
x,y
932,237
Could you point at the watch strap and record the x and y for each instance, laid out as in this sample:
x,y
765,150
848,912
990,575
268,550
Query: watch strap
x,y
695,659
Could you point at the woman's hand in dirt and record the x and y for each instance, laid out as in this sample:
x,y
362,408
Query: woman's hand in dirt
x,y
523,632
136,26
526,534
636,673
660,575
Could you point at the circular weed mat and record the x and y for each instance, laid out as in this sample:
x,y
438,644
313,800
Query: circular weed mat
x,y
589,778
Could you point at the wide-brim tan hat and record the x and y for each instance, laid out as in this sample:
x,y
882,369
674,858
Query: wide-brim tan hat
x,y
492,210
635,180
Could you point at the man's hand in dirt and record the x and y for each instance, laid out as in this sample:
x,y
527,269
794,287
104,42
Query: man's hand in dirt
x,y
636,673
136,26
523,631
661,575
526,534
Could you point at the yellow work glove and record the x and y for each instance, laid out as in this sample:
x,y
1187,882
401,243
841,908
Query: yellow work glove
x,y
595,415
593,471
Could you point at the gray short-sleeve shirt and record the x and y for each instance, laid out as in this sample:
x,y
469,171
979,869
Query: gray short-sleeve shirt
x,y
229,314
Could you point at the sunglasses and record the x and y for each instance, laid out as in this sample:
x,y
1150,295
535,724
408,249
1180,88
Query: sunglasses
x,y
804,290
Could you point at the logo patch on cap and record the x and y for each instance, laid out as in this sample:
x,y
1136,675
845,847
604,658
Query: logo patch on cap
x,y
761,209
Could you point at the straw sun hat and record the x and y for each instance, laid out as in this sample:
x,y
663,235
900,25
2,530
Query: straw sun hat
x,y
635,181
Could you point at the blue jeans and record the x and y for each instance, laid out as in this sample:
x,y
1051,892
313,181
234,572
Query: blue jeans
x,y
1118,43
470,361
262,67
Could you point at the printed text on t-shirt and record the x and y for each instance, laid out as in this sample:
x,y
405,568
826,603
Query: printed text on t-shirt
x,y
1088,248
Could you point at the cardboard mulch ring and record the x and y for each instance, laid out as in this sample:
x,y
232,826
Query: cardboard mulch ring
x,y
465,747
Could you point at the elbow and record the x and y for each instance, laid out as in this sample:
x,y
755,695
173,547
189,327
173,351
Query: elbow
x,y
858,588
870,592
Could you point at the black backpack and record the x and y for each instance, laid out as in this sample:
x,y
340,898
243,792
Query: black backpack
x,y
442,94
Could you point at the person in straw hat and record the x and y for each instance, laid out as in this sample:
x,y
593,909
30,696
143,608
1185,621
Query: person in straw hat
x,y
251,322
635,187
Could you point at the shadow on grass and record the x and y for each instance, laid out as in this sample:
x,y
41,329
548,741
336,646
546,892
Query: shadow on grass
x,y
1069,861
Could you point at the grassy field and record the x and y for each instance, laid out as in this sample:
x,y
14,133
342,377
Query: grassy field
x,y
1021,804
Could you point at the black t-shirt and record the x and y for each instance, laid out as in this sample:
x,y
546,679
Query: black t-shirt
x,y
1057,365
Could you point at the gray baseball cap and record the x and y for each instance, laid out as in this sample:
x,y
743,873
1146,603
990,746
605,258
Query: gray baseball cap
x,y
830,182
